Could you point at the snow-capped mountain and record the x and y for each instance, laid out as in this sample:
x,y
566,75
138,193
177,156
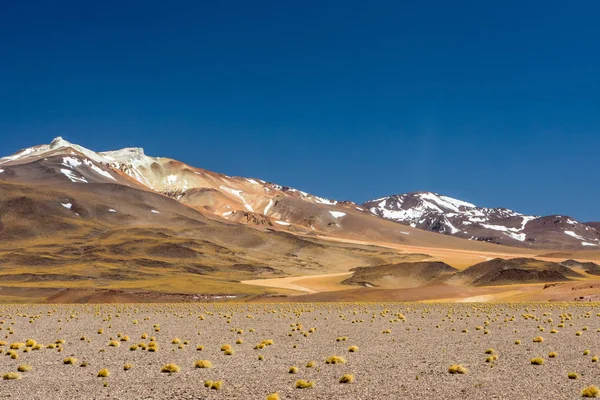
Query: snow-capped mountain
x,y
446,215
238,199
264,204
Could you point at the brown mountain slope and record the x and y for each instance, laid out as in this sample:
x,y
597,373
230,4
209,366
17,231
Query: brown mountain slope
x,y
125,225
108,236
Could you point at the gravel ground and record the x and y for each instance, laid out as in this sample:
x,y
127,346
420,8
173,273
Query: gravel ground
x,y
410,362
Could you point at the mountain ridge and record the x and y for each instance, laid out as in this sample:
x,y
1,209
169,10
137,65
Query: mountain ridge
x,y
438,213
258,202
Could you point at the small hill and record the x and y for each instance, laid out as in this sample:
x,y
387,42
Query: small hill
x,y
517,270
401,275
589,267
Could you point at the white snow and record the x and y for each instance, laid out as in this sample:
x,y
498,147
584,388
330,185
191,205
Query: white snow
x,y
238,193
452,227
252,181
381,198
71,162
496,227
526,219
56,144
321,200
446,202
282,223
17,155
133,162
171,179
477,219
155,212
588,244
1,171
337,214
112,210
429,204
404,233
573,234
71,175
67,205
227,213
98,170
268,206
510,232
518,236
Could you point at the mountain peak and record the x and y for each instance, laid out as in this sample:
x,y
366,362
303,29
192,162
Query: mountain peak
x,y
59,142
127,153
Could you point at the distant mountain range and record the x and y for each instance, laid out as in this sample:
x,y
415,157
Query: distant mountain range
x,y
255,202
78,226
442,214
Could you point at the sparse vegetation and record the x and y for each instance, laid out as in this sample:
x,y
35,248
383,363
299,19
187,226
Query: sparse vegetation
x,y
590,391
170,368
304,384
457,369
203,364
335,360
11,376
360,325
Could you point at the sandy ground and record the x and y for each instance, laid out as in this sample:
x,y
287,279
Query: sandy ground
x,y
409,362
306,284
461,258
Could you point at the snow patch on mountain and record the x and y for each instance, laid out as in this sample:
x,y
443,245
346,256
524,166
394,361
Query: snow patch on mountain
x,y
268,206
337,214
573,234
237,193
71,175
98,170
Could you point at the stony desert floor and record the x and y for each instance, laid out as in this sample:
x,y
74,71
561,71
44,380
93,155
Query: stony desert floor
x,y
401,350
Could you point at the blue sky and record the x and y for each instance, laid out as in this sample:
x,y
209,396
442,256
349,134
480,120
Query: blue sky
x,y
496,103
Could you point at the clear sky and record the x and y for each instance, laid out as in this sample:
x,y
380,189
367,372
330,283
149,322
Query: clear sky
x,y
496,103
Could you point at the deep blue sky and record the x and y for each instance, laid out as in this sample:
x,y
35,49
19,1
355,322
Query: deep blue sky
x,y
497,103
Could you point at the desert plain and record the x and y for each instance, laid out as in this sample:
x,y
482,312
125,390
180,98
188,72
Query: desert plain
x,y
386,350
